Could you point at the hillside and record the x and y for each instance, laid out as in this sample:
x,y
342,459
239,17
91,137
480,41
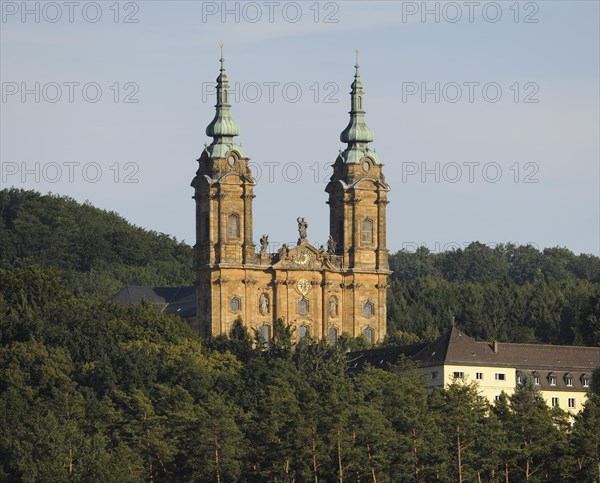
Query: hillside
x,y
96,252
101,392
508,292
96,391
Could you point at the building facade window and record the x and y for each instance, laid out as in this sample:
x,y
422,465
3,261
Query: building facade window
x,y
569,380
519,378
552,379
368,333
458,375
585,380
500,376
367,231
434,375
236,304
302,332
233,226
572,403
536,378
555,402
368,309
265,333
303,306
332,335
479,376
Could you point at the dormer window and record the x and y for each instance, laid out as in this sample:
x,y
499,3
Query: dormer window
x,y
569,379
552,379
536,378
585,380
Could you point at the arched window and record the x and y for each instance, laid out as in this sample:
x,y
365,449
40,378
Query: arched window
x,y
303,306
302,332
368,333
368,309
265,333
367,231
332,335
233,226
235,304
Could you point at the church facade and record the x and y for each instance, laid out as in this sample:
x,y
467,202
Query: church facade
x,y
322,291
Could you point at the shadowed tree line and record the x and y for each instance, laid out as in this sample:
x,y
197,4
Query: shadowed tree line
x,y
97,252
508,293
95,391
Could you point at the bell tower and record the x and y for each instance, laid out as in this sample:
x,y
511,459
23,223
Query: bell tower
x,y
358,193
223,192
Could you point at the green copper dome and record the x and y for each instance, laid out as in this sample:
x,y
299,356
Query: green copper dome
x,y
357,134
357,130
222,128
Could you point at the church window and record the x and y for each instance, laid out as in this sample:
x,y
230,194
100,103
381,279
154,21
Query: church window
x,y
367,231
235,304
302,332
368,333
233,226
265,333
368,309
332,335
303,306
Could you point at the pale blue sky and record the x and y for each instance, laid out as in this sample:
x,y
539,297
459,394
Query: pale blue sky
x,y
171,57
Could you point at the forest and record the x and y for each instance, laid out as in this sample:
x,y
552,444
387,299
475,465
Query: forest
x,y
95,391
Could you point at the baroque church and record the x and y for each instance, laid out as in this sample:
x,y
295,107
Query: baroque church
x,y
323,292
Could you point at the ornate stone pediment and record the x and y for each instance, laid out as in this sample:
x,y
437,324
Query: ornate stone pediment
x,y
304,257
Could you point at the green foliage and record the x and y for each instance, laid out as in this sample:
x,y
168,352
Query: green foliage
x,y
96,252
94,391
102,392
508,293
